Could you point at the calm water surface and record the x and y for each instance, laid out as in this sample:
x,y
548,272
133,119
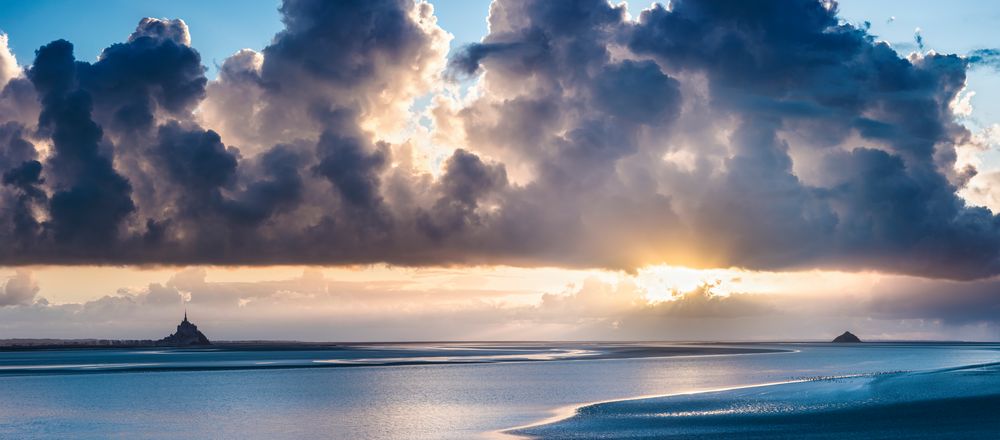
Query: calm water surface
x,y
454,391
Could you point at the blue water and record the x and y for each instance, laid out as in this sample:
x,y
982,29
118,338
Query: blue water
x,y
447,390
948,403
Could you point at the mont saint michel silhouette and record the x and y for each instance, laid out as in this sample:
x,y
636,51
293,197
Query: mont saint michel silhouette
x,y
187,334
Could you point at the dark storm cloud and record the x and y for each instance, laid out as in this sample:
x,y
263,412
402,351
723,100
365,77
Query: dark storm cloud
x,y
328,61
893,207
278,187
21,173
352,167
196,158
466,181
91,199
321,40
14,148
132,80
765,135
467,178
24,176
637,91
467,59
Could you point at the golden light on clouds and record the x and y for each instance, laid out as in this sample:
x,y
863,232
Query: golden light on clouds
x,y
510,285
382,302
663,282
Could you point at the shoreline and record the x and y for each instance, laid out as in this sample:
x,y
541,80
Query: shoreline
x,y
568,411
743,411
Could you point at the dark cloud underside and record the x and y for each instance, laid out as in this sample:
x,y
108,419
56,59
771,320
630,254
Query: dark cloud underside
x,y
765,135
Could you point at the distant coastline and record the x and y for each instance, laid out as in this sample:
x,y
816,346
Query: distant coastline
x,y
50,344
84,343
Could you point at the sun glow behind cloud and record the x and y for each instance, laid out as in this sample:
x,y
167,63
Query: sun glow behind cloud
x,y
381,302
664,283
538,159
66,284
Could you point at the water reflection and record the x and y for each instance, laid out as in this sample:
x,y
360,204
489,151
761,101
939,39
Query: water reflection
x,y
431,401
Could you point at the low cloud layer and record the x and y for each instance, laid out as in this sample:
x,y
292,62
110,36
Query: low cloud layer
x,y
709,134
478,306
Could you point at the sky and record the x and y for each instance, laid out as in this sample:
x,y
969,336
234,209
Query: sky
x,y
509,170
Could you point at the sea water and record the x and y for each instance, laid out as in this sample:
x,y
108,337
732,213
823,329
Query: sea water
x,y
461,391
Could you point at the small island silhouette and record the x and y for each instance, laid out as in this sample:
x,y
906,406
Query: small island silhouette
x,y
847,337
187,334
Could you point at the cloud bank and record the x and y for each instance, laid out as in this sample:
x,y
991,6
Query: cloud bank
x,y
472,306
769,135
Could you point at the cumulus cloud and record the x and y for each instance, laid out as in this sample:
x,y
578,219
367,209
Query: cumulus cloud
x,y
9,69
806,143
19,289
162,29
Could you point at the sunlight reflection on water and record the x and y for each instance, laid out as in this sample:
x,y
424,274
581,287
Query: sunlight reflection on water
x,y
451,400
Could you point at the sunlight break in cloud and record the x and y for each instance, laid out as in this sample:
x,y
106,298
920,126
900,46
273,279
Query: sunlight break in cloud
x,y
789,163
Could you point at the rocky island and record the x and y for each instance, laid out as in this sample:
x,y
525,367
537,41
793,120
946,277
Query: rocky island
x,y
187,334
847,337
